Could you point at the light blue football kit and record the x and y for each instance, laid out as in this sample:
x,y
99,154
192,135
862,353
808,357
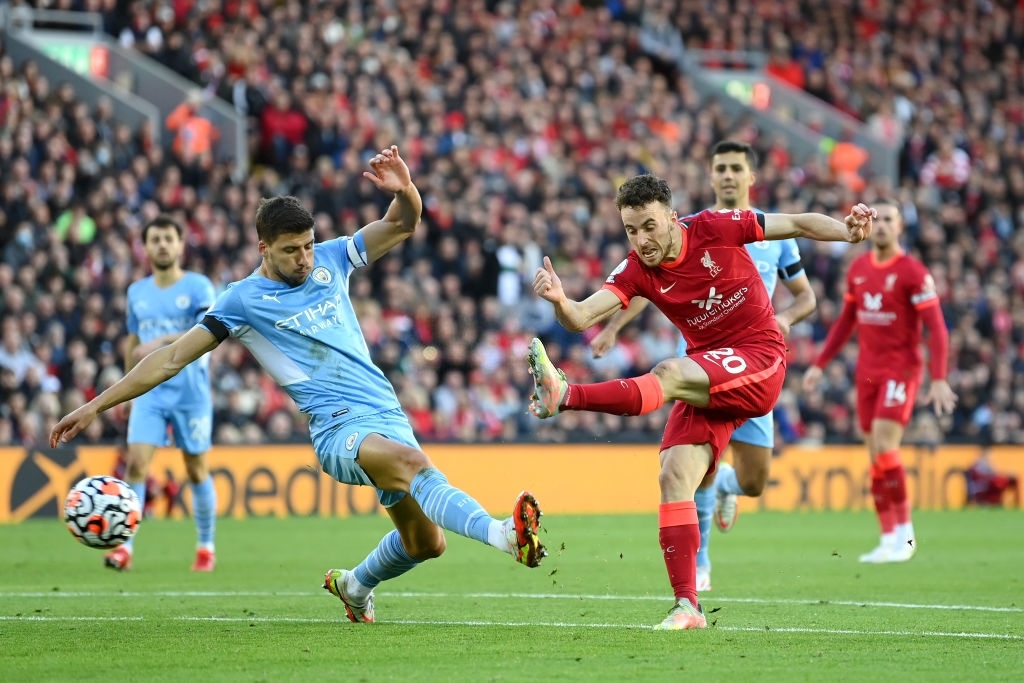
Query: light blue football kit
x,y
184,401
309,340
307,337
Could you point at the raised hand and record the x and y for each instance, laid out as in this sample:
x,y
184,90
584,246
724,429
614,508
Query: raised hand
x,y
388,171
859,222
547,285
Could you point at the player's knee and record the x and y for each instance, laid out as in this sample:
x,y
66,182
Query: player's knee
x,y
403,467
682,379
752,479
196,468
136,467
670,372
426,546
752,485
669,480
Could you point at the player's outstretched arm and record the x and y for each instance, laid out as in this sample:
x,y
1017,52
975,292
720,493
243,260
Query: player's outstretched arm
x,y
856,227
157,367
389,172
574,316
605,339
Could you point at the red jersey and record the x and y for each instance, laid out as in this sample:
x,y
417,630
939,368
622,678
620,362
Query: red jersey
x,y
712,291
890,300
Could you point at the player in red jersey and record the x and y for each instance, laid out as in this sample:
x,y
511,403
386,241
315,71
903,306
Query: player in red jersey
x,y
888,296
697,271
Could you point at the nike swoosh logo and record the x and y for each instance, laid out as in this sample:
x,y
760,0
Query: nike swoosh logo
x,y
665,289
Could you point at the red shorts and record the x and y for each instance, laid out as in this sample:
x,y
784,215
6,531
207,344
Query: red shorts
x,y
885,398
745,382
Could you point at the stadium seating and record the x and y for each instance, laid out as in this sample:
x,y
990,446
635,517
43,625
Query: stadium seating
x,y
517,122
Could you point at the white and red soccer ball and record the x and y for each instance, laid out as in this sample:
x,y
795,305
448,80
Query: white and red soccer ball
x,y
102,511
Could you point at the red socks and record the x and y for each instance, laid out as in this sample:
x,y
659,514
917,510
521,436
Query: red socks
x,y
883,507
889,468
680,540
635,396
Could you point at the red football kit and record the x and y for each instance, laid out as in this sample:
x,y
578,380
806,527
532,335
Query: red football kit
x,y
887,302
714,294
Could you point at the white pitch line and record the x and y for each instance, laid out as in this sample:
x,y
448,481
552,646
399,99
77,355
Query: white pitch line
x,y
534,624
507,596
711,599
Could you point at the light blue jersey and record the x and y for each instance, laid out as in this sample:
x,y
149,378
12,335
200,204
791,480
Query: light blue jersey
x,y
184,401
774,259
308,338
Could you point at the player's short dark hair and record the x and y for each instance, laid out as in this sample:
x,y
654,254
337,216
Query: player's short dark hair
x,y
641,190
162,221
730,146
889,201
281,215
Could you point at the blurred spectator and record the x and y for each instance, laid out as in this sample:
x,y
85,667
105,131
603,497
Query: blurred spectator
x,y
519,119
282,126
985,486
194,139
781,64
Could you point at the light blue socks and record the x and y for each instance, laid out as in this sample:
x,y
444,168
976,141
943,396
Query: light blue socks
x,y
705,500
386,561
448,507
725,480
204,510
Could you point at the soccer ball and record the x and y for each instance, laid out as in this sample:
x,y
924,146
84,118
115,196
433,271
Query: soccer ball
x,y
102,512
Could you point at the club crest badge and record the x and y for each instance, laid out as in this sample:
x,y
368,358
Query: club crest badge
x,y
322,275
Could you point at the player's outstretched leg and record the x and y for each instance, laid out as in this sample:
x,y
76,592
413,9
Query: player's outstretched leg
x,y
457,511
521,530
549,382
340,582
726,504
683,615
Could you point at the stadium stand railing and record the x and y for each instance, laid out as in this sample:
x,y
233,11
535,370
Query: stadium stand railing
x,y
127,77
17,36
811,127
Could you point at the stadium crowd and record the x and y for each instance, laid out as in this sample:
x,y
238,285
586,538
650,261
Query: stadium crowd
x,y
518,120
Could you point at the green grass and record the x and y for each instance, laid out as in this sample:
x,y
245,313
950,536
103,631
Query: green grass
x,y
790,603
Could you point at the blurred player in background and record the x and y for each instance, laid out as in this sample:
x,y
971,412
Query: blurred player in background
x,y
888,295
696,272
732,175
161,308
295,316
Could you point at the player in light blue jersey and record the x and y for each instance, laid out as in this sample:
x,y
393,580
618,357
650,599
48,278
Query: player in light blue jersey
x,y
294,315
732,175
161,308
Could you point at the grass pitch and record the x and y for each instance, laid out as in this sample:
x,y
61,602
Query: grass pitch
x,y
790,603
